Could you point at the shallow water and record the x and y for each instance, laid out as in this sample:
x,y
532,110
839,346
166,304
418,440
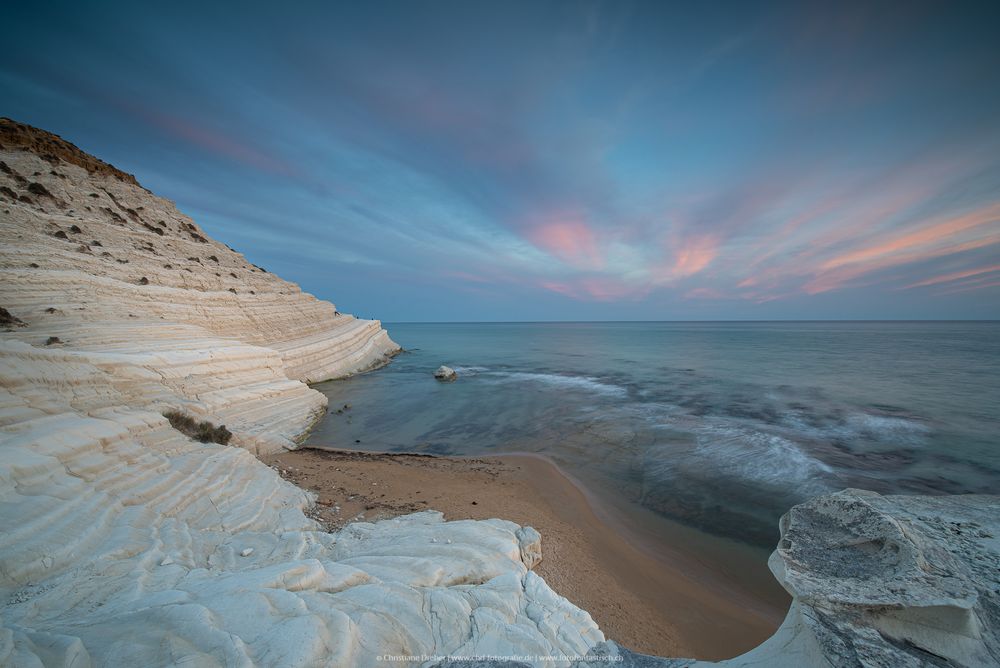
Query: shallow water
x,y
722,426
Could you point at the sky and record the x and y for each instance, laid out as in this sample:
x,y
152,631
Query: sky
x,y
585,160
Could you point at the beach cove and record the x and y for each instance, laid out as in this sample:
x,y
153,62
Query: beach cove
x,y
148,372
666,603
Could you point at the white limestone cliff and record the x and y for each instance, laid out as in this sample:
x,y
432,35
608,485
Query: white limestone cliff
x,y
122,541
174,319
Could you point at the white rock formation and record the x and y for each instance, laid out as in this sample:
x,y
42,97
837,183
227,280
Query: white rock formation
x,y
878,581
125,543
170,317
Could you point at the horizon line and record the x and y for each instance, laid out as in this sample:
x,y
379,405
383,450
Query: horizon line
x,y
789,320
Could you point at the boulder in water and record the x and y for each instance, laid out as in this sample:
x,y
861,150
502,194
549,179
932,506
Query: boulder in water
x,y
445,373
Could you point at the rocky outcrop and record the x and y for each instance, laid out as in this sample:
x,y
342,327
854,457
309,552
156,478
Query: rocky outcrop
x,y
123,542
124,283
879,581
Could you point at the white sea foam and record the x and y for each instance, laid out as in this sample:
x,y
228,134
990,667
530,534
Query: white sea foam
x,y
862,425
588,383
885,426
757,456
566,382
470,370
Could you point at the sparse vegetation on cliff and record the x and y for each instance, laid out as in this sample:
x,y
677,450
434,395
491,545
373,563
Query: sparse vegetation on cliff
x,y
203,431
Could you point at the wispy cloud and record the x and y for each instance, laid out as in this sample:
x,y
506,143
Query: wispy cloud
x,y
954,276
555,159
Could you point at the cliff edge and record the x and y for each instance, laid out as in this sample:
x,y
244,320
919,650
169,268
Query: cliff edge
x,y
123,541
98,271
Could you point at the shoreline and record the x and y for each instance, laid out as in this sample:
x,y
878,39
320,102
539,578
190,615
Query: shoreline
x,y
132,543
660,604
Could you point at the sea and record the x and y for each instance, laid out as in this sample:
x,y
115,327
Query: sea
x,y
719,426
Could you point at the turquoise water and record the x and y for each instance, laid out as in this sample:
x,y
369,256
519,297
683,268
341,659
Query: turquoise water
x,y
722,426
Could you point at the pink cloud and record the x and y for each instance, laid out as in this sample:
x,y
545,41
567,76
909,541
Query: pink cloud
x,y
774,243
704,293
569,238
216,142
606,289
599,288
695,255
954,276
561,288
934,240
691,256
979,284
838,278
923,237
862,226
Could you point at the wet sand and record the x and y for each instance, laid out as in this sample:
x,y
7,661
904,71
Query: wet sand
x,y
652,596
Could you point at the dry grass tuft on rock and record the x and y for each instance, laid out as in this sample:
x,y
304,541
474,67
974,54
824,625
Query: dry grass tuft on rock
x,y
203,431
8,319
38,189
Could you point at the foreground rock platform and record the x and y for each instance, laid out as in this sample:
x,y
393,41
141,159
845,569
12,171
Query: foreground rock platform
x,y
879,581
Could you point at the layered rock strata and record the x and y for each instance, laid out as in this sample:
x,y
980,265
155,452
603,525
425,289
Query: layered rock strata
x,y
103,273
124,542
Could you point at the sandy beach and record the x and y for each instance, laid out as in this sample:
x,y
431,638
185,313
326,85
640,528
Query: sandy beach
x,y
662,605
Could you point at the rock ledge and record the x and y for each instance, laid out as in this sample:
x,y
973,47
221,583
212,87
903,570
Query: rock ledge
x,y
879,581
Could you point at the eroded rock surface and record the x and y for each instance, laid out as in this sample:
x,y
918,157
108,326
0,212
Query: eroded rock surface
x,y
880,581
125,543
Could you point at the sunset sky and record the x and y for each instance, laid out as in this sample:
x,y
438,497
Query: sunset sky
x,y
549,161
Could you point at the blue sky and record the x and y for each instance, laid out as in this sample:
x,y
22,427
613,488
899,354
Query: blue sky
x,y
547,161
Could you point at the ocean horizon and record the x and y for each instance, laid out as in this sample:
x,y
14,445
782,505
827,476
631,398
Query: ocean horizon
x,y
389,323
